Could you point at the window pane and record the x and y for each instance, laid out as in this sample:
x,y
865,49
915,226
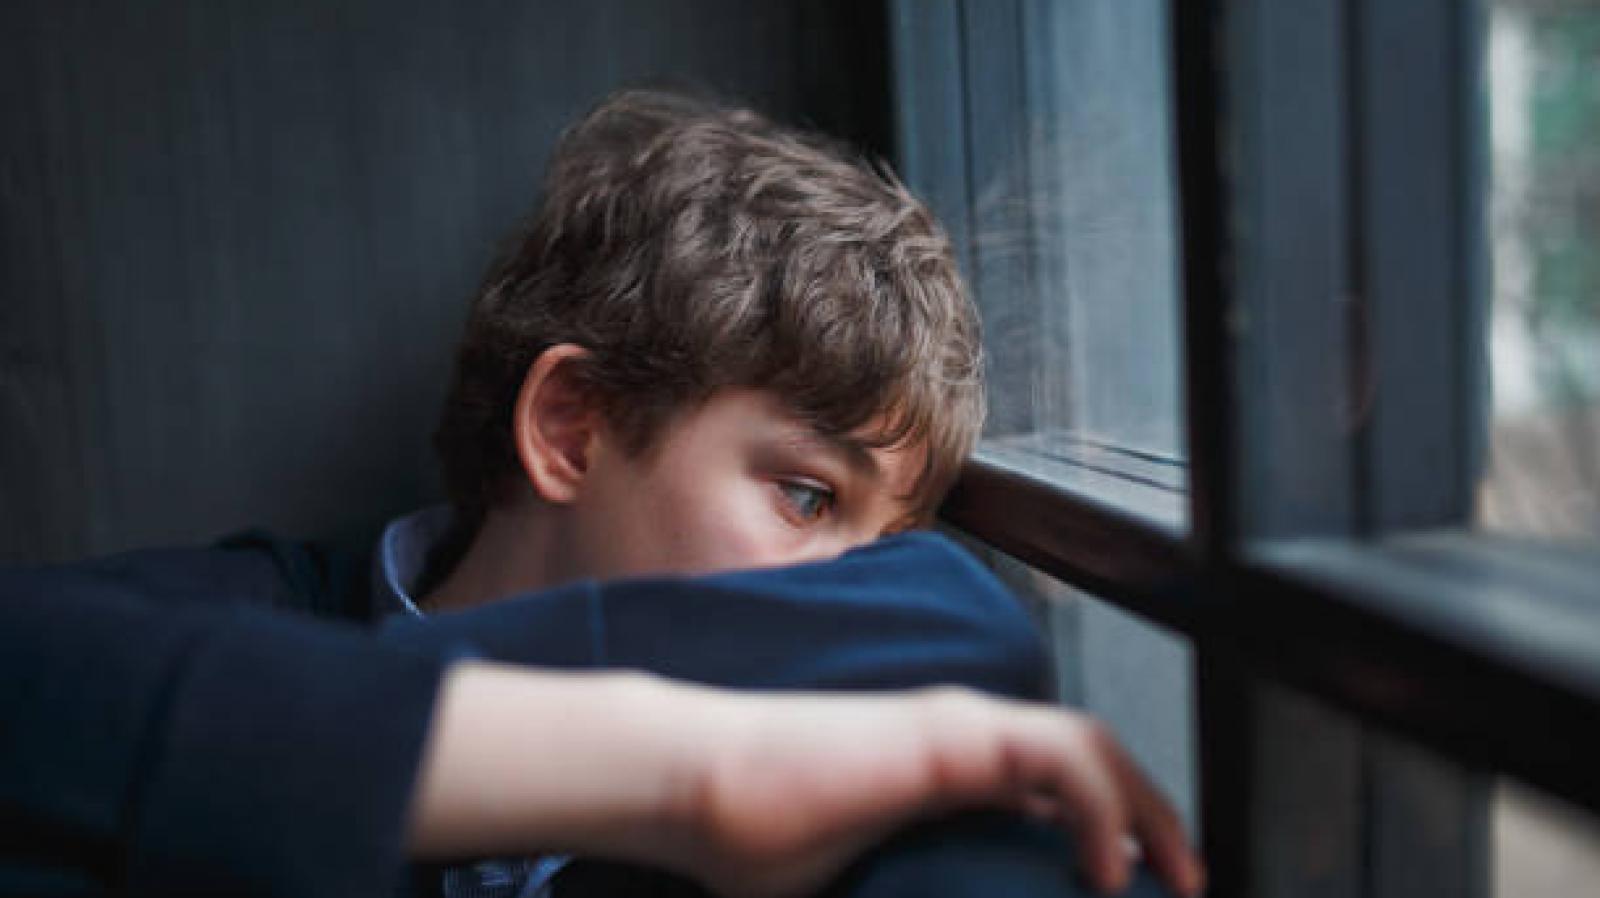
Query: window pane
x,y
1136,677
1041,133
1542,847
1543,476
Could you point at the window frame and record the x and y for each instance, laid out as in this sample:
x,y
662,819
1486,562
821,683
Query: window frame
x,y
1369,591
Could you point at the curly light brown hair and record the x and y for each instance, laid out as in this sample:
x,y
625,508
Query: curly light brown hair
x,y
692,247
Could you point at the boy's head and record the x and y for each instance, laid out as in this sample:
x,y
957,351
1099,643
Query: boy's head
x,y
693,274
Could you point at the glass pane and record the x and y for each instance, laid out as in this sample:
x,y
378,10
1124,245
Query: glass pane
x,y
1543,476
1542,847
1041,133
1136,677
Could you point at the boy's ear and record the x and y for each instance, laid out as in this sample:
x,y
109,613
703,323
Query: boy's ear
x,y
555,422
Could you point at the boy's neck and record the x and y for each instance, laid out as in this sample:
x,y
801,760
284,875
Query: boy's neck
x,y
511,553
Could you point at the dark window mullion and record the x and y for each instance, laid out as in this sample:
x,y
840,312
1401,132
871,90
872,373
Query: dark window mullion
x,y
1415,384
1268,345
1223,712
1205,257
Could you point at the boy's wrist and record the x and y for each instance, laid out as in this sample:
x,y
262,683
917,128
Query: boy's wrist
x,y
683,731
524,761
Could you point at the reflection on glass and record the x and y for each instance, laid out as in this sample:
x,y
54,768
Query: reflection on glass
x,y
1051,158
1106,411
1100,213
1543,475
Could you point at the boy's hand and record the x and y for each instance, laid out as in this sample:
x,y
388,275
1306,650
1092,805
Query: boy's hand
x,y
788,790
762,794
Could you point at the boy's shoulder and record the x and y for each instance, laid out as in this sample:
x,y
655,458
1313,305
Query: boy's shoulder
x,y
253,568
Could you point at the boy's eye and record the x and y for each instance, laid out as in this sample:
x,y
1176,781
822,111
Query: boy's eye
x,y
809,500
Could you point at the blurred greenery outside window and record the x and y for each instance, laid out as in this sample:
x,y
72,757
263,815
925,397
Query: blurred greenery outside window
x,y
1543,477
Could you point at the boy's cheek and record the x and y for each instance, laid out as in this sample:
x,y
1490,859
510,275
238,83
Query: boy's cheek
x,y
730,535
662,531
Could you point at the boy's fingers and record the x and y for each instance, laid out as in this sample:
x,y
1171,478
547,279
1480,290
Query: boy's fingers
x,y
1167,849
1071,763
1039,805
1095,785
1067,767
1158,829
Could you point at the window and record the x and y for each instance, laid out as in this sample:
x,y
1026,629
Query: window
x,y
1246,268
1041,132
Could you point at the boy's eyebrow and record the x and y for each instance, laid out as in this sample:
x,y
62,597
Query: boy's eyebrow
x,y
858,456
852,450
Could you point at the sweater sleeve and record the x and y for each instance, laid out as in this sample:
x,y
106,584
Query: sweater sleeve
x,y
195,750
914,610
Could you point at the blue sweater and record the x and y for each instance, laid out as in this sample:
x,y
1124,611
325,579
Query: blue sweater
x,y
167,728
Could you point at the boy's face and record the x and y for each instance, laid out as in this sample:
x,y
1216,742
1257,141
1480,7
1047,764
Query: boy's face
x,y
736,482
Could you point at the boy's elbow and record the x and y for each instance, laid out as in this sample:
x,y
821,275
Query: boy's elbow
x,y
993,643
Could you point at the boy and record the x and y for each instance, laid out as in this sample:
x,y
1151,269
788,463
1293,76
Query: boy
x,y
719,345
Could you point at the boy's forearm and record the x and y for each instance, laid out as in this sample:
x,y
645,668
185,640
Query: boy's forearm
x,y
525,762
760,795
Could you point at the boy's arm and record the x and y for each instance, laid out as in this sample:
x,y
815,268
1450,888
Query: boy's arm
x,y
906,612
762,795
191,750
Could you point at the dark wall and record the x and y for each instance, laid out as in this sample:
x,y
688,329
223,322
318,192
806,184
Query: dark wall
x,y
237,238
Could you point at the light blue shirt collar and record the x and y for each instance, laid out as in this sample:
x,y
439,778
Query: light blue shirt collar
x,y
401,557
397,571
